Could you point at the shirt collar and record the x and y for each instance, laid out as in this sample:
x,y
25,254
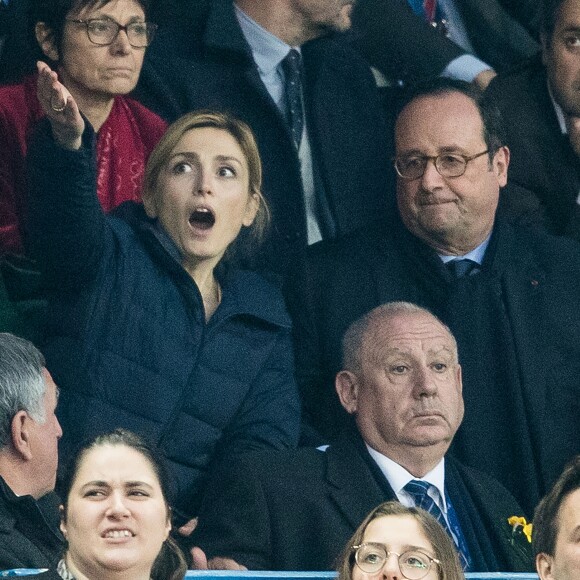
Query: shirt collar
x,y
267,49
476,254
398,477
559,112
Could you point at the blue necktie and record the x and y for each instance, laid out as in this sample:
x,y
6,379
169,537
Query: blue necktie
x,y
292,67
418,490
460,267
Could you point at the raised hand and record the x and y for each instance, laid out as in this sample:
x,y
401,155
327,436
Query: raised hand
x,y
60,108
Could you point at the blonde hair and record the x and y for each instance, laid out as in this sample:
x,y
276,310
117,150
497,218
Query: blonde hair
x,y
243,135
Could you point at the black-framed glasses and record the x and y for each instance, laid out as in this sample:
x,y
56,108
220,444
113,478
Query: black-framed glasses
x,y
446,164
103,31
370,557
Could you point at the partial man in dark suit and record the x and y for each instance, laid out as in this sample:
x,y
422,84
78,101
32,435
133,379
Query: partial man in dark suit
x,y
514,306
324,175
29,434
556,528
401,385
540,102
403,43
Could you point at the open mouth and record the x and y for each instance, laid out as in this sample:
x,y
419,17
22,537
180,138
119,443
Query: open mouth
x,y
202,218
118,534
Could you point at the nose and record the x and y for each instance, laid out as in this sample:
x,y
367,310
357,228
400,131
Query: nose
x,y
425,385
120,44
391,570
431,178
58,429
117,508
203,182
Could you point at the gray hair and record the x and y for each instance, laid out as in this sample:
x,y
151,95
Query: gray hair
x,y
22,385
353,342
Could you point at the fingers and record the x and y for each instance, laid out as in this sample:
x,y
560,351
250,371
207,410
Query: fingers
x,y
224,564
198,559
200,562
53,96
188,527
60,108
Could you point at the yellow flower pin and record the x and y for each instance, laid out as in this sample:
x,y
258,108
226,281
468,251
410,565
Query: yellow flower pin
x,y
519,522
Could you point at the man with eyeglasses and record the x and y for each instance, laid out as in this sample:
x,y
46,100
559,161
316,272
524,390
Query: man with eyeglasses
x,y
400,382
510,296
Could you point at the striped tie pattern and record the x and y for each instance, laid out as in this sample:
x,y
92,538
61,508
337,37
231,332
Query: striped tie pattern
x,y
418,489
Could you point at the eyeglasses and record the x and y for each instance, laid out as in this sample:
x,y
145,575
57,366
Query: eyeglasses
x,y
371,557
103,31
446,164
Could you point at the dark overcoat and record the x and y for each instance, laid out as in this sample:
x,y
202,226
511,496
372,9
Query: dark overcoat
x,y
517,324
296,510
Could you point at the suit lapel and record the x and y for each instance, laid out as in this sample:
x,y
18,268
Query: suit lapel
x,y
352,486
223,34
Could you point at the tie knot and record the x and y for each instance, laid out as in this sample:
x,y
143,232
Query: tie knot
x,y
291,62
461,267
417,488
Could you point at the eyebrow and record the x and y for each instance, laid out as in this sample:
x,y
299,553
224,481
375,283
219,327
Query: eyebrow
x,y
406,548
126,484
134,18
573,29
442,150
195,156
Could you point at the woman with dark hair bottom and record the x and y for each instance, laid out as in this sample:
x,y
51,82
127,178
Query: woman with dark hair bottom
x,y
115,514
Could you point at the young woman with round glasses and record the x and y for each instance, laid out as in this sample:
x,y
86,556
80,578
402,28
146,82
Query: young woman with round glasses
x,y
396,542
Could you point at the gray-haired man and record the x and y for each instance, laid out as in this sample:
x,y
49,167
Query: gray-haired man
x,y
29,434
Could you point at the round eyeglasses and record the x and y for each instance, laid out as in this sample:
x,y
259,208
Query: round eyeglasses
x,y
103,31
371,557
446,164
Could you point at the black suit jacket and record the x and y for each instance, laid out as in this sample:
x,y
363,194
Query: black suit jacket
x,y
543,167
29,533
204,61
297,510
403,46
530,282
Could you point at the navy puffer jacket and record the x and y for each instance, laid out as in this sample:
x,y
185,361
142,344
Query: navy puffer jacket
x,y
127,340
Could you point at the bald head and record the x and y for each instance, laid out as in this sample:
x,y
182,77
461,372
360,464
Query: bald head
x,y
401,381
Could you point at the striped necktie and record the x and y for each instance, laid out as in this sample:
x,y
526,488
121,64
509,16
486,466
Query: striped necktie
x,y
418,489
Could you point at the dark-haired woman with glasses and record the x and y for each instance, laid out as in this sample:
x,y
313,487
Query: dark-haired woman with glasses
x,y
96,49
396,542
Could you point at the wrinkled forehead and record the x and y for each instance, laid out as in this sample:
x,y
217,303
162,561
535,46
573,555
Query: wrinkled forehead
x,y
409,333
447,118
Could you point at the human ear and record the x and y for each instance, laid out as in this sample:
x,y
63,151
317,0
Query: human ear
x,y
62,521
149,204
501,161
45,38
20,434
252,208
346,383
544,563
